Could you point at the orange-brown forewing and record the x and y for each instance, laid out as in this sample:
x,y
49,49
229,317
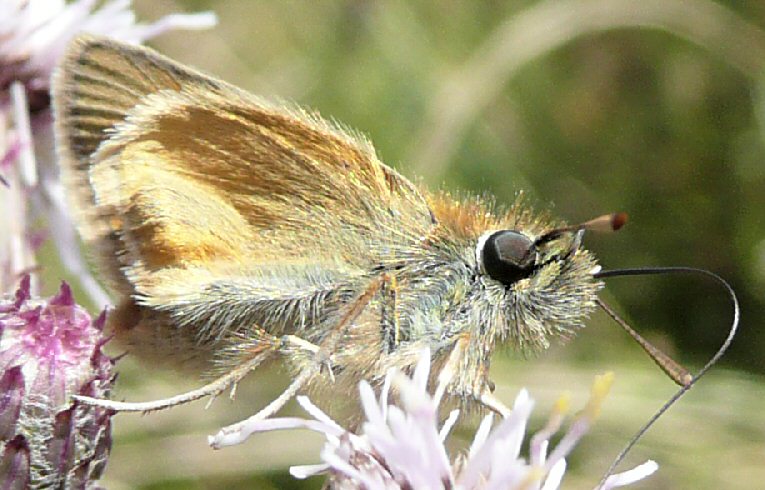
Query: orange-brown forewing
x,y
201,198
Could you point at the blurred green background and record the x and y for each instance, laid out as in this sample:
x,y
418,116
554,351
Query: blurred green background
x,y
651,107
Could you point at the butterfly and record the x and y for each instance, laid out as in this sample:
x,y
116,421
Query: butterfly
x,y
234,230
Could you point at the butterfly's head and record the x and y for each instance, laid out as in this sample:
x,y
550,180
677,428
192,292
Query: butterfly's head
x,y
535,286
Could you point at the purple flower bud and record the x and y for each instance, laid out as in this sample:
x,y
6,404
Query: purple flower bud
x,y
11,396
14,464
49,351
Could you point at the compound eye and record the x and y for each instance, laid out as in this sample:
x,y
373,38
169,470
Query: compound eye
x,y
508,256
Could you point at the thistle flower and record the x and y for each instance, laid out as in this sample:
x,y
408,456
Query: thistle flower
x,y
402,447
34,33
50,350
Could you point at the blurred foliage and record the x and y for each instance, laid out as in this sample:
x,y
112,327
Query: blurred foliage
x,y
664,123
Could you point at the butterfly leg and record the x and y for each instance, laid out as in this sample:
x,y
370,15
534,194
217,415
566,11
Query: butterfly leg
x,y
480,389
491,402
212,389
237,433
330,343
389,313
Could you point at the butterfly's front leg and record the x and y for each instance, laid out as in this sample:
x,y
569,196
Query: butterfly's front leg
x,y
465,375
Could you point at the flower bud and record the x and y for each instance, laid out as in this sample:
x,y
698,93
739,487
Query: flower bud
x,y
49,351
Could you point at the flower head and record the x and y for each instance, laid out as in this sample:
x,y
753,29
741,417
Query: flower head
x,y
50,350
34,33
402,447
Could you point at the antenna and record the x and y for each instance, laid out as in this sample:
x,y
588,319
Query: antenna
x,y
607,222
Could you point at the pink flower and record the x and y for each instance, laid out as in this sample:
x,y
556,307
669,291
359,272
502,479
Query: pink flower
x,y
401,447
34,33
50,350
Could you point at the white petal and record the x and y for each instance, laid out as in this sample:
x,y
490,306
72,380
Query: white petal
x,y
202,20
384,393
422,370
318,413
505,439
575,432
481,434
448,424
366,479
307,470
372,409
555,475
631,476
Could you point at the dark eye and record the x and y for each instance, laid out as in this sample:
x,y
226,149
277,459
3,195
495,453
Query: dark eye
x,y
508,256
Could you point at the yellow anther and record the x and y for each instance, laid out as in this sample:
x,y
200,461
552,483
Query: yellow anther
x,y
600,389
563,403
